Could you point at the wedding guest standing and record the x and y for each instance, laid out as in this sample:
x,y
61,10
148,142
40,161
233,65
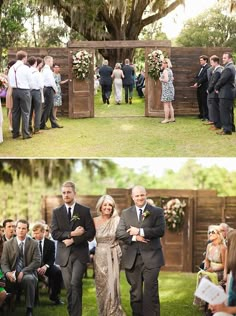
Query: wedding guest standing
x,y
168,91
128,81
225,89
36,101
140,228
107,258
20,79
118,75
9,101
72,226
105,73
49,90
201,83
59,82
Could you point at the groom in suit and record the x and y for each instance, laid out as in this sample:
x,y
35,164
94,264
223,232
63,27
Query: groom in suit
x,y
72,227
140,228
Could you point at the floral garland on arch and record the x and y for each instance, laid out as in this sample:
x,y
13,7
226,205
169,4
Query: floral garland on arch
x,y
81,64
174,214
155,59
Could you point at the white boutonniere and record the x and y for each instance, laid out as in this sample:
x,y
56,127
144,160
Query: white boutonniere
x,y
145,214
74,218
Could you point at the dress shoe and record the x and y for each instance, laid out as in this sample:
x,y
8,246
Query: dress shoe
x,y
208,123
224,133
108,102
130,100
57,126
58,302
45,127
29,312
214,128
37,132
16,136
27,137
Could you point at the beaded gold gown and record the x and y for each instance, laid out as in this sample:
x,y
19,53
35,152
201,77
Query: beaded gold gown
x,y
107,267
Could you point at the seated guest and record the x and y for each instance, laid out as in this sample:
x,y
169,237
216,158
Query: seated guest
x,y
3,293
19,262
214,260
140,83
9,229
47,266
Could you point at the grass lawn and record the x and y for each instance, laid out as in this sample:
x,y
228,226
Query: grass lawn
x,y
176,295
121,131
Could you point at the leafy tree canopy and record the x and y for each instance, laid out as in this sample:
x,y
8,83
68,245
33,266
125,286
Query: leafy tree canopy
x,y
217,30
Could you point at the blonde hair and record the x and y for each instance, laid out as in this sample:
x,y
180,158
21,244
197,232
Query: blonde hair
x,y
100,202
168,62
118,66
216,228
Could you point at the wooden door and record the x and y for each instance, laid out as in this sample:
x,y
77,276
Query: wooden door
x,y
81,92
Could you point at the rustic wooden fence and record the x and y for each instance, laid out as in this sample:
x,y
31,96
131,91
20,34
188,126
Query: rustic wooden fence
x,y
184,250
185,66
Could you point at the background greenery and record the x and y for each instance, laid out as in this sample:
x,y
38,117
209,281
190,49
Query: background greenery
x,y
24,181
176,296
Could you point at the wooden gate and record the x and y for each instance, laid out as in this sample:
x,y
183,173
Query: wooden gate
x,y
81,93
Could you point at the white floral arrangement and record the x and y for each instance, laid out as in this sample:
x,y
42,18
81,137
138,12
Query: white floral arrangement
x,y
155,59
81,64
174,214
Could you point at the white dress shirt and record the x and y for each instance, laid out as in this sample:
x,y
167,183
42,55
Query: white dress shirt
x,y
48,78
71,209
37,79
20,76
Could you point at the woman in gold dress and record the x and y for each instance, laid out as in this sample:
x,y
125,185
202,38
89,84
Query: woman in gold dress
x,y
107,258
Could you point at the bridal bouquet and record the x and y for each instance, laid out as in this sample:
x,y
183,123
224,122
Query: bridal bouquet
x,y
174,214
154,61
81,64
3,82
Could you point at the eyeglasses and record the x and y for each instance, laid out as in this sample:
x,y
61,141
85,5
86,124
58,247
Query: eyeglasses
x,y
212,232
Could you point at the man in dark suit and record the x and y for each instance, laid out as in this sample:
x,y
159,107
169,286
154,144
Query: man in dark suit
x,y
72,226
105,73
225,89
213,99
140,228
47,267
19,262
201,84
128,81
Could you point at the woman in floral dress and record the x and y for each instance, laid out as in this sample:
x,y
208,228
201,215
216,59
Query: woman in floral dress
x,y
107,258
168,91
57,96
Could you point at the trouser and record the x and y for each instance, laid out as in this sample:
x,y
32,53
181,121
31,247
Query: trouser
x,y
54,275
106,92
36,109
128,92
226,114
215,112
72,276
47,112
144,293
21,108
202,102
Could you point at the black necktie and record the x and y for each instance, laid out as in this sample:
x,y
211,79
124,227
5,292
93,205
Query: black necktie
x,y
140,215
40,248
69,213
20,259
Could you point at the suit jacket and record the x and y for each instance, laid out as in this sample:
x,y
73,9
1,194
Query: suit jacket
x,y
212,83
128,75
48,252
154,228
202,79
105,73
10,254
61,227
226,83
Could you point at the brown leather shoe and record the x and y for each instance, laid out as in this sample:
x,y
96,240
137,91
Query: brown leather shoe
x,y
208,123
213,128
223,133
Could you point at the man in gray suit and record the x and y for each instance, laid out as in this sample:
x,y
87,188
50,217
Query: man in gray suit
x,y
128,81
19,262
225,89
140,228
72,227
105,73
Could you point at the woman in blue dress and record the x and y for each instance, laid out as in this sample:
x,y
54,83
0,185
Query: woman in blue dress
x,y
57,96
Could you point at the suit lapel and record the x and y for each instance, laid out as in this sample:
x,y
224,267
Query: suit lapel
x,y
134,217
75,213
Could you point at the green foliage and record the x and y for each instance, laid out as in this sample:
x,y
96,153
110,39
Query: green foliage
x,y
212,28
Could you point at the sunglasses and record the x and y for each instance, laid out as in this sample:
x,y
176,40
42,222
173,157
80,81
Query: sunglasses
x,y
212,232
